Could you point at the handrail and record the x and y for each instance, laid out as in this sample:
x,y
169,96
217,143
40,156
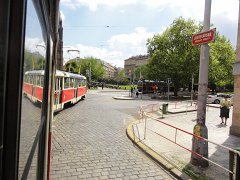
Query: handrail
x,y
145,115
199,137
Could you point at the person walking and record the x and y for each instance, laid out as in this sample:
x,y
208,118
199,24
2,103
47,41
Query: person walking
x,y
131,91
137,92
224,110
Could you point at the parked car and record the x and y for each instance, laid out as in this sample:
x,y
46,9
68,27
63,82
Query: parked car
x,y
216,99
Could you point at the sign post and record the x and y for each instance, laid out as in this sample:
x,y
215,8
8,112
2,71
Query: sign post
x,y
204,37
192,88
168,82
200,129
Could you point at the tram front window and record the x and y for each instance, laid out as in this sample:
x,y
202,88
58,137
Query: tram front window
x,y
31,123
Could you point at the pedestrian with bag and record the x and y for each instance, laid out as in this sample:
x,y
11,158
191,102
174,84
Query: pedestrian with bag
x,y
224,109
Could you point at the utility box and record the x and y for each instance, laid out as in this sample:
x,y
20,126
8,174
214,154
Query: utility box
x,y
164,108
233,164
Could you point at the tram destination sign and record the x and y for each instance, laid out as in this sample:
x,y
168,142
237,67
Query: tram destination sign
x,y
204,37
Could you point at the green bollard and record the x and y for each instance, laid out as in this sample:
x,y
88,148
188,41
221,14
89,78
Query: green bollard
x,y
164,108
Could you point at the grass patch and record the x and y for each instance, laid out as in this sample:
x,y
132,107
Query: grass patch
x,y
123,87
190,170
127,87
194,175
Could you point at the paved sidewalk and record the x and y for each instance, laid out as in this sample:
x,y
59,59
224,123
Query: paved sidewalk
x,y
182,114
186,120
90,143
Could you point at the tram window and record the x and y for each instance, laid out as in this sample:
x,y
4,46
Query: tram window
x,y
26,79
71,83
80,83
41,81
77,81
66,83
38,80
29,79
35,80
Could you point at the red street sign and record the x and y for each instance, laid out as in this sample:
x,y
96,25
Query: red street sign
x,y
204,37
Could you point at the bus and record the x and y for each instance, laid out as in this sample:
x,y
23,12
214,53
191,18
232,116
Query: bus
x,y
149,86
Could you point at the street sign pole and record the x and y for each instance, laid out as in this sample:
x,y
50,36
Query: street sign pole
x,y
199,146
192,88
168,91
168,82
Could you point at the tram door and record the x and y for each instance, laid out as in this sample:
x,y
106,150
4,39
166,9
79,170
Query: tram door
x,y
76,88
57,93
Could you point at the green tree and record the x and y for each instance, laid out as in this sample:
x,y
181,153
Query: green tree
x,y
140,71
33,61
121,78
84,65
72,67
172,54
222,56
97,68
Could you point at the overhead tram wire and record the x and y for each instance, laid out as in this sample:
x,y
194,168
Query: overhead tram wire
x,y
106,26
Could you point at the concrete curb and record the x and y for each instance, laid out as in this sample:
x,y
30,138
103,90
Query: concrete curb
x,y
155,156
170,112
123,98
177,112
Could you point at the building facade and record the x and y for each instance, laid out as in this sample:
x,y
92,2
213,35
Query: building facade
x,y
132,63
110,70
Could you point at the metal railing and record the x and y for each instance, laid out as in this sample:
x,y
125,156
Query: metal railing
x,y
145,112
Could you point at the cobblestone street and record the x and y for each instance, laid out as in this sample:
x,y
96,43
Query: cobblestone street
x,y
90,142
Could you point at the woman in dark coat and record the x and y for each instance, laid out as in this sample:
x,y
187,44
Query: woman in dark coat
x,y
224,110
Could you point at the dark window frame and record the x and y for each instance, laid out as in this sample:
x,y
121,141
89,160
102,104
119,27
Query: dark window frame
x,y
12,37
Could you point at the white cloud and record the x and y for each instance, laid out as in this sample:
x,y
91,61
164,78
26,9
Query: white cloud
x,y
195,9
93,4
31,44
120,47
62,16
70,4
229,9
188,8
122,11
136,38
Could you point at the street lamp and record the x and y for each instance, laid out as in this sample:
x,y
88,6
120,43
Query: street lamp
x,y
68,50
74,50
43,46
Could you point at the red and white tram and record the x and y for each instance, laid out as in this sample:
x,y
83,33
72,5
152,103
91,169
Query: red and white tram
x,y
69,88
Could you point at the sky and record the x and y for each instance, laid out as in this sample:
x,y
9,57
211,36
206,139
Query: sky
x,y
114,30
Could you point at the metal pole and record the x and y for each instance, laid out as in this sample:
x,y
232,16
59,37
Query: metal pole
x,y
192,88
90,73
168,89
140,72
145,129
43,46
200,128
